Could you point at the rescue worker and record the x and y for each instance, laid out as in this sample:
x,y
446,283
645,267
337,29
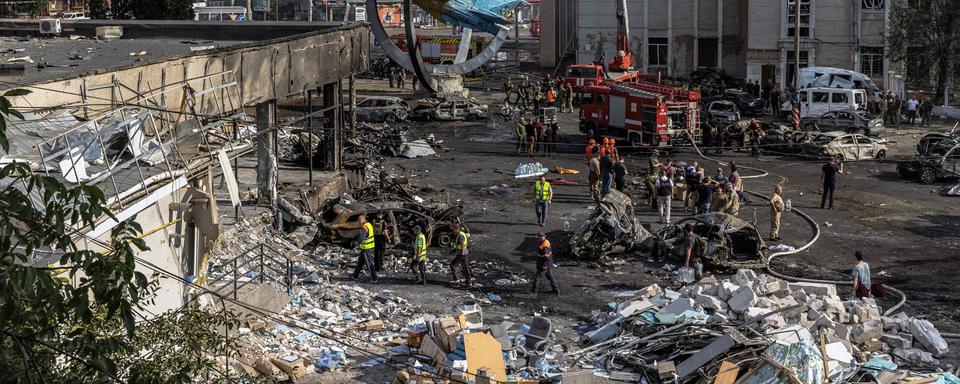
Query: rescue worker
x,y
366,246
460,256
523,94
553,134
544,266
568,97
604,146
776,209
756,135
619,175
507,88
691,178
541,132
692,253
401,78
614,153
537,95
719,199
594,164
418,263
380,238
664,188
590,150
522,134
392,76
606,174
544,197
531,137
733,203
551,96
561,95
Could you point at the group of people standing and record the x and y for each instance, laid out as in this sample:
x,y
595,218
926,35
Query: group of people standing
x,y
893,109
398,78
535,95
607,169
534,137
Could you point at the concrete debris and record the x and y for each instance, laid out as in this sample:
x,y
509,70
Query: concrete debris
x,y
733,320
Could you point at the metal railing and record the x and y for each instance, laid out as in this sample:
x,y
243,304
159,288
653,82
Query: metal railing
x,y
259,264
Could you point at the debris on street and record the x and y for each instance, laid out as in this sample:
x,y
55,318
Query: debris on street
x,y
611,229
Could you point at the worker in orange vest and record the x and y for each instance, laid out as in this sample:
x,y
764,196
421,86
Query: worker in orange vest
x,y
551,96
591,149
605,147
544,266
613,150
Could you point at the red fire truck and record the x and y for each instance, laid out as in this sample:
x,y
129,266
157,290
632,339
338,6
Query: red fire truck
x,y
582,75
644,114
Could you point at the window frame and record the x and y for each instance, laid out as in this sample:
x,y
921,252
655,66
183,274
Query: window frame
x,y
806,27
871,61
866,7
839,95
654,47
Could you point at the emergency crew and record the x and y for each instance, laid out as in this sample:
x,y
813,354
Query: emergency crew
x,y
522,134
590,149
523,93
544,197
418,263
614,153
401,78
460,253
551,96
605,146
594,165
692,253
366,246
756,135
544,266
776,209
381,239
537,95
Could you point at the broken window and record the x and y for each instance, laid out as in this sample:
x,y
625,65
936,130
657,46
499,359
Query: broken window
x,y
821,97
840,98
657,51
871,61
804,17
872,5
707,52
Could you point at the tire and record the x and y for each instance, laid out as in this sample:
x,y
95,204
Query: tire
x,y
391,118
636,140
840,157
881,155
927,175
444,238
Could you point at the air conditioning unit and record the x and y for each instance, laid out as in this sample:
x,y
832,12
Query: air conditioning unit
x,y
50,26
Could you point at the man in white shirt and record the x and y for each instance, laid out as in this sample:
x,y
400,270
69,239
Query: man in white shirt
x,y
912,109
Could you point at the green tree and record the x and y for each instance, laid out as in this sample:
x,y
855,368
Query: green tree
x,y
83,320
923,35
98,9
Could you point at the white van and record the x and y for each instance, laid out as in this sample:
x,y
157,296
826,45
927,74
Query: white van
x,y
74,16
829,77
817,101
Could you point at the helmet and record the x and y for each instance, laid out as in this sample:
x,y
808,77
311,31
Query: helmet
x,y
606,140
613,141
592,141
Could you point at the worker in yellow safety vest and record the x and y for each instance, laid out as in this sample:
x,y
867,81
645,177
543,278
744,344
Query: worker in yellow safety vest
x,y
460,255
544,196
418,265
366,246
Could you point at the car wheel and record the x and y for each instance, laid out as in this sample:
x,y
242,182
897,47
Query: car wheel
x,y
927,175
636,141
881,154
839,157
391,118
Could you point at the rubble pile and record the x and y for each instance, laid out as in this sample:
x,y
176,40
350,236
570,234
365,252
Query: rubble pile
x,y
757,328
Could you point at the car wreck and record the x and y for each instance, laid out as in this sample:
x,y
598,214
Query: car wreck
x,y
611,229
844,146
449,110
940,160
731,242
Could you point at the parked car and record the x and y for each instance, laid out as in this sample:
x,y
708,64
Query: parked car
x,y
381,108
722,111
731,242
849,121
450,110
940,160
745,102
845,146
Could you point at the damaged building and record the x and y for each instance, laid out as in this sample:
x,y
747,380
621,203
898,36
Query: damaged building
x,y
168,118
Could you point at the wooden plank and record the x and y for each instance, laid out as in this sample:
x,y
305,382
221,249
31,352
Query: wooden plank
x,y
483,352
728,373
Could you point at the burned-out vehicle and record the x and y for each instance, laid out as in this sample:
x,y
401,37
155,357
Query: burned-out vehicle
x,y
381,109
845,146
940,160
449,110
724,111
731,241
339,221
611,229
747,104
849,121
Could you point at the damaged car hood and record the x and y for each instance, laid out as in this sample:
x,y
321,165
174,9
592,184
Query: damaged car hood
x,y
611,229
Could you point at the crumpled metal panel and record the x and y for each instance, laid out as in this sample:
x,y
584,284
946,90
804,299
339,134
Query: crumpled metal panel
x,y
612,228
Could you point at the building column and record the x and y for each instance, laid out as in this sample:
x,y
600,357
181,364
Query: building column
x,y
670,38
696,34
333,142
645,46
266,155
719,34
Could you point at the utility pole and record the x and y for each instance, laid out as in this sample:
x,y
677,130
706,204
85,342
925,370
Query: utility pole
x,y
249,10
516,34
309,10
796,46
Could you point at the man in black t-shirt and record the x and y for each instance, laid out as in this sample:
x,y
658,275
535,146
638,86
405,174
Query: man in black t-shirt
x,y
828,175
619,174
606,174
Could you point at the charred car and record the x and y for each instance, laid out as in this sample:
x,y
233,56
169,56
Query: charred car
x,y
940,160
849,121
449,110
746,103
722,111
339,221
611,229
731,241
378,109
844,146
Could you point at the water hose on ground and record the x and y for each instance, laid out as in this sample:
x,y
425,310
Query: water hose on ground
x,y
816,236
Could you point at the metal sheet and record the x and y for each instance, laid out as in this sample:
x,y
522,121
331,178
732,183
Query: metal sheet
x,y
231,178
